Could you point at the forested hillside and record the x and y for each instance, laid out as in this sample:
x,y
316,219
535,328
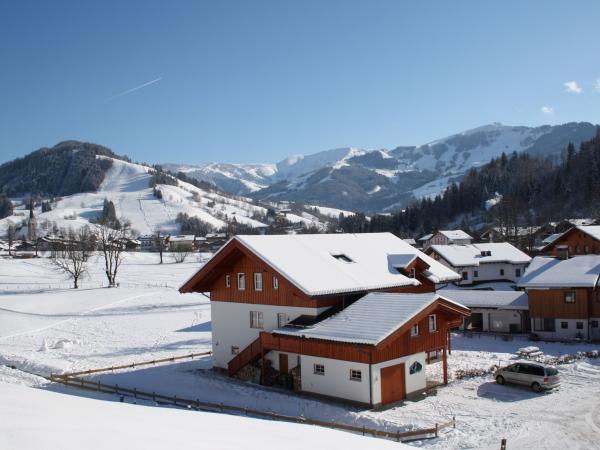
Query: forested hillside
x,y
67,168
526,190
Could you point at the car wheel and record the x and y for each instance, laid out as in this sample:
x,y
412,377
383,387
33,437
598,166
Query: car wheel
x,y
500,379
536,387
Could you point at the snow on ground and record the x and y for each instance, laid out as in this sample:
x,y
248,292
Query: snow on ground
x,y
35,418
46,327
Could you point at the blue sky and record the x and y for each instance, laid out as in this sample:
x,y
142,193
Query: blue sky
x,y
255,81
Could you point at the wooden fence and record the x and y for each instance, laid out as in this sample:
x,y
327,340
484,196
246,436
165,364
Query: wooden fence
x,y
71,380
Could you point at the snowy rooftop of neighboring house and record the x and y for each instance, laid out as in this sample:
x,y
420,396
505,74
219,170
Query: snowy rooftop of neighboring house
x,y
216,235
592,230
426,237
474,298
369,320
182,238
550,239
455,234
473,254
547,272
322,264
410,241
518,231
581,222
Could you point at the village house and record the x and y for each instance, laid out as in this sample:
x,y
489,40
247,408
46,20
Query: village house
x,y
492,311
564,296
445,237
181,243
579,240
479,263
296,306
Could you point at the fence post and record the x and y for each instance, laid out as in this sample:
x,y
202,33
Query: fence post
x,y
98,386
154,396
197,403
398,435
175,400
453,421
503,444
436,430
134,392
363,430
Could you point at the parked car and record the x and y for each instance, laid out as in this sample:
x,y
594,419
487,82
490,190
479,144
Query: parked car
x,y
537,376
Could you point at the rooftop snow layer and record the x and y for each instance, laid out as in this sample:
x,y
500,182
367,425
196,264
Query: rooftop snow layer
x,y
592,230
547,272
488,299
455,234
322,264
471,254
369,320
550,239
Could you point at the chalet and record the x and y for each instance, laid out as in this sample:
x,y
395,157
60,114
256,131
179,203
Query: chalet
x,y
493,311
445,237
478,263
564,296
181,242
276,299
579,240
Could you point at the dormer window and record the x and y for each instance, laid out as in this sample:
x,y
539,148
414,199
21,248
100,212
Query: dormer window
x,y
343,258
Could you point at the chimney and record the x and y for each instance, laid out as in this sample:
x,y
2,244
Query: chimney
x,y
562,252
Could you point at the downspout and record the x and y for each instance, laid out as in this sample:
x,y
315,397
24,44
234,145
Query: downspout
x,y
371,378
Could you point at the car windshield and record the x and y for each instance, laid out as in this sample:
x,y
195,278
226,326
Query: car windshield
x,y
551,371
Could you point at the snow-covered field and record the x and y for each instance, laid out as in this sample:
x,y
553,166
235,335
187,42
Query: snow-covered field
x,y
46,327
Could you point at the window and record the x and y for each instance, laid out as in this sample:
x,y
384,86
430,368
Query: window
x,y
586,249
228,281
234,350
465,275
594,324
475,273
258,281
564,325
517,273
256,319
432,323
281,320
570,297
343,258
579,325
414,331
319,369
355,375
501,272
275,283
241,281
541,324
415,367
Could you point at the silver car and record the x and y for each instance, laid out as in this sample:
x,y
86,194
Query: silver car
x,y
537,376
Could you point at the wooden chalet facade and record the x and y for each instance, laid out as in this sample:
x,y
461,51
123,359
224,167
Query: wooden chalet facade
x,y
580,240
261,286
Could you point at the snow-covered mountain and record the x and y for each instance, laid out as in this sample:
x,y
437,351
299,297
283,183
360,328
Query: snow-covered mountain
x,y
382,179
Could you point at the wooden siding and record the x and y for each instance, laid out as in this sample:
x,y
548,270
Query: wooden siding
x,y
400,345
577,241
550,304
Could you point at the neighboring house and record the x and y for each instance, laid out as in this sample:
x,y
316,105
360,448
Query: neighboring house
x,y
445,237
478,263
181,243
527,238
263,283
567,224
564,297
494,311
579,240
423,240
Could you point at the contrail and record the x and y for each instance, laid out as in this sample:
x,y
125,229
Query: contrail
x,y
129,91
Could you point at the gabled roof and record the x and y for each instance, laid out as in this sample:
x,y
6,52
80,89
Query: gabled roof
x,y
410,241
327,264
426,237
455,234
471,254
473,298
547,272
591,230
371,319
552,238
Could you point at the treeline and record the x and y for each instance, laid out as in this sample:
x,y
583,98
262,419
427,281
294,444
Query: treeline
x,y
67,168
531,191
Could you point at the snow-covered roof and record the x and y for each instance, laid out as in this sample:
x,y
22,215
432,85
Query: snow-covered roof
x,y
369,320
455,234
473,254
410,241
547,272
323,264
591,230
426,237
550,239
182,238
473,298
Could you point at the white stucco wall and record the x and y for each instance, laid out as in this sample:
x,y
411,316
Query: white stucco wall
x,y
563,333
497,320
487,272
336,381
231,325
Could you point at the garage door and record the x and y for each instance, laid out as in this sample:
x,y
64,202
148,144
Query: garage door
x,y
392,384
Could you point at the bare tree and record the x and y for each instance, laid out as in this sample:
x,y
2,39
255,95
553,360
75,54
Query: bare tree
x,y
181,254
159,241
11,235
72,259
111,242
